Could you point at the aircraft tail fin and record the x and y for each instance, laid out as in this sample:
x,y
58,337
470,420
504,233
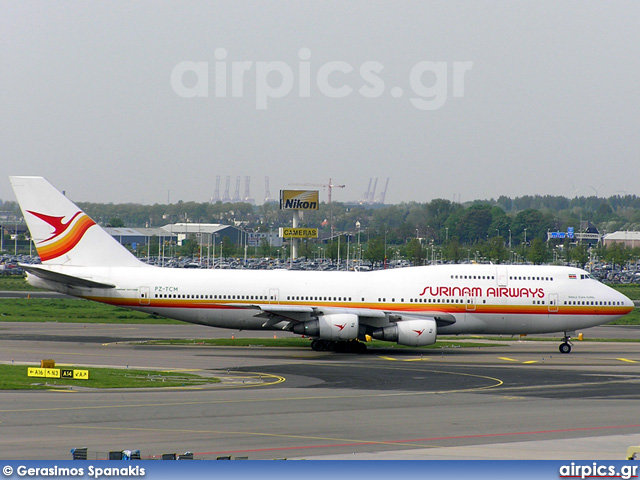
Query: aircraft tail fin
x,y
63,234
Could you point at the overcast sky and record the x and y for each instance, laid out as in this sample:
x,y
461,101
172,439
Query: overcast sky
x,y
144,101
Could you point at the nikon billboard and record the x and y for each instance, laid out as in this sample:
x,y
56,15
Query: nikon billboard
x,y
299,200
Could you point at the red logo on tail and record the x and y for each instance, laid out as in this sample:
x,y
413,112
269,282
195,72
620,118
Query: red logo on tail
x,y
55,222
65,235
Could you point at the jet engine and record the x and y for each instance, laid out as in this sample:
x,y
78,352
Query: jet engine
x,y
413,333
336,327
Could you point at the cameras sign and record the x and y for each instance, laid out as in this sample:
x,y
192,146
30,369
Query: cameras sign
x,y
298,232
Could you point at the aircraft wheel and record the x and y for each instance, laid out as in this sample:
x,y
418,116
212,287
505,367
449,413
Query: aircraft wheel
x,y
319,345
340,347
565,348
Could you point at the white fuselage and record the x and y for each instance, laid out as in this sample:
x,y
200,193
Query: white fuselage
x,y
473,299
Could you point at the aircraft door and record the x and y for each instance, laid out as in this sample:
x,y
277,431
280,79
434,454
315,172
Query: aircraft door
x,y
274,296
470,304
501,276
144,295
553,302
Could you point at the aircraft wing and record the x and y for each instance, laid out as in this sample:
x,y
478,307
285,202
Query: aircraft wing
x,y
62,278
292,314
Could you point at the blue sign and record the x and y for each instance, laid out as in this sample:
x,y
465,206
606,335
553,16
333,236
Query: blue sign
x,y
562,235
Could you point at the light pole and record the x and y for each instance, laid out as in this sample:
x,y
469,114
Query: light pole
x,y
358,228
385,249
214,251
348,246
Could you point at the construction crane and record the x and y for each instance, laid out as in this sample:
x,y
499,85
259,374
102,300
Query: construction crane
x,y
216,194
236,196
383,195
226,198
247,194
329,186
372,195
267,193
365,196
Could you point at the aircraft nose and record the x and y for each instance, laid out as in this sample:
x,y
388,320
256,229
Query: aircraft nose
x,y
626,301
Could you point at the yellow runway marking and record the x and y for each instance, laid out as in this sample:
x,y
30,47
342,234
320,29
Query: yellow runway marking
x,y
391,359
528,362
507,359
497,383
627,360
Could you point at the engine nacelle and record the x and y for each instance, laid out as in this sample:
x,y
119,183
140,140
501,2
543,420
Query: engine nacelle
x,y
336,327
413,333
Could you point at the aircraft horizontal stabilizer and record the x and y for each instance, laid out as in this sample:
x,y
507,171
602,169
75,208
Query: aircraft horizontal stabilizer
x,y
68,280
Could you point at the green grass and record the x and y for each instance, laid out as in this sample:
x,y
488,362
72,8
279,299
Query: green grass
x,y
632,318
14,377
16,283
631,291
72,310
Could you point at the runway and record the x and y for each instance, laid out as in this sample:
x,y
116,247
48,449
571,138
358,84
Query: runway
x,y
521,400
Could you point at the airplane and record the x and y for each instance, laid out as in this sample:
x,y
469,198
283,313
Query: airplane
x,y
337,310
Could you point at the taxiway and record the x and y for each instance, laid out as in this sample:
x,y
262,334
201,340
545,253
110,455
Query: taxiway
x,y
521,400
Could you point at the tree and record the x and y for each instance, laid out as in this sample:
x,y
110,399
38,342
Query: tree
x,y
617,253
474,224
415,252
265,248
497,250
579,254
189,247
228,248
537,254
533,221
375,250
116,222
453,251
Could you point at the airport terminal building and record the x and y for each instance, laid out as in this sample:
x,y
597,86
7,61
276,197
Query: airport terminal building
x,y
627,238
203,233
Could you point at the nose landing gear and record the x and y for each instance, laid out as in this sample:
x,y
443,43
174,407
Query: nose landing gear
x,y
565,346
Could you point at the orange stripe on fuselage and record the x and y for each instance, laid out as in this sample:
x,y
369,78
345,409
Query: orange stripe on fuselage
x,y
408,308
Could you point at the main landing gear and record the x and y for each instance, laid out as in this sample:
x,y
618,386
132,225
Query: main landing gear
x,y
352,346
565,346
